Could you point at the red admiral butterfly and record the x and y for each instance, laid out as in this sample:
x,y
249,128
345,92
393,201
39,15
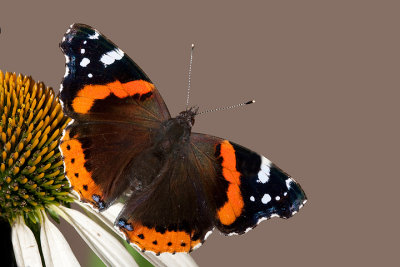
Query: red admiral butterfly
x,y
180,184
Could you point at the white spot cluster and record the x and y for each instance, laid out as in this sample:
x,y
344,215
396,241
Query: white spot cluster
x,y
111,56
84,62
264,173
266,198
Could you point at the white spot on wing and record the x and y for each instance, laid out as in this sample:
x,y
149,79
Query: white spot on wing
x,y
205,237
252,198
90,75
85,61
82,51
263,174
84,42
197,246
66,66
258,222
66,71
277,198
266,198
61,102
248,229
94,36
111,56
208,234
288,182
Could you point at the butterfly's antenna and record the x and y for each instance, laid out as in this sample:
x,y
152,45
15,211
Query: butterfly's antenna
x,y
229,107
190,73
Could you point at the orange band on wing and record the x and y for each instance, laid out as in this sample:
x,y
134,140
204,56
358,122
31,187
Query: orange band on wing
x,y
80,179
168,241
232,209
87,95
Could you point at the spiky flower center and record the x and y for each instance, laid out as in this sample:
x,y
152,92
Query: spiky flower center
x,y
31,167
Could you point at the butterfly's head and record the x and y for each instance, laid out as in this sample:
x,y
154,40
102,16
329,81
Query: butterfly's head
x,y
187,117
177,129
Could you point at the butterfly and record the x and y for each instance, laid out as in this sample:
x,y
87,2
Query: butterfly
x,y
177,185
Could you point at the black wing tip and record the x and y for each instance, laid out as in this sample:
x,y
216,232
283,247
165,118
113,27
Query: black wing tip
x,y
297,199
74,27
73,31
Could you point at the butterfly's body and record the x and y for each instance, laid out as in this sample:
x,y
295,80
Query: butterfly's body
x,y
174,134
170,143
182,184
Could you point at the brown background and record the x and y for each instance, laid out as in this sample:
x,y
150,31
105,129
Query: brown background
x,y
325,75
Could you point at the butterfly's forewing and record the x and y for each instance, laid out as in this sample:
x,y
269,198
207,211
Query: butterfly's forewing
x,y
256,188
114,107
102,83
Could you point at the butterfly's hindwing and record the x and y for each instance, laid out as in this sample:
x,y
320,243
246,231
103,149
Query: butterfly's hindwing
x,y
169,215
95,152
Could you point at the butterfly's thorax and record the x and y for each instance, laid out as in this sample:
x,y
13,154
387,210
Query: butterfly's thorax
x,y
174,134
171,141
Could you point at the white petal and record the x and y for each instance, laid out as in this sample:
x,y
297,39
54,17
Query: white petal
x,y
178,259
56,251
26,249
108,216
106,246
165,259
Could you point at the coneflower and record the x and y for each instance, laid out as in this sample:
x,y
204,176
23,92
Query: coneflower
x,y
33,186
31,167
32,181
